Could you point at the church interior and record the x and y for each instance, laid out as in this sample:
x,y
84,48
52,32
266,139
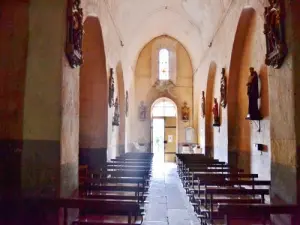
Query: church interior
x,y
149,112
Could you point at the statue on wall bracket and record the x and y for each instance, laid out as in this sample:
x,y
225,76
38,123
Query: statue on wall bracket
x,y
203,105
223,89
111,86
185,112
142,111
253,92
216,114
74,33
274,31
116,118
126,104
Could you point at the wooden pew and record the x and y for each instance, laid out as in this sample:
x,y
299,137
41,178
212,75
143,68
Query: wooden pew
x,y
196,178
225,183
128,164
212,215
26,209
123,192
138,161
232,212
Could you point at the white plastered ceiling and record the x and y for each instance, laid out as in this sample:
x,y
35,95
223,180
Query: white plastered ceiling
x,y
191,22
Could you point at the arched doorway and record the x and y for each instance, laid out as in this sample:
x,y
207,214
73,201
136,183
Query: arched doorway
x,y
164,130
93,98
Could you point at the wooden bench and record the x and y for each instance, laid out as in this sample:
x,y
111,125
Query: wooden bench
x,y
262,211
35,209
211,214
196,178
225,183
128,164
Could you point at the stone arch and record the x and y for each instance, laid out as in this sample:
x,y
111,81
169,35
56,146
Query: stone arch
x,y
121,97
13,64
209,132
93,118
144,91
239,131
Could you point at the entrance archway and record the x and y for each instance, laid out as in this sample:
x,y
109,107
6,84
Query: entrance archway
x,y
164,130
93,98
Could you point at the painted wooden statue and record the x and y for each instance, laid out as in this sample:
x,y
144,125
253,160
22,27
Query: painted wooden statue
x,y
216,115
253,92
116,118
203,104
185,112
223,89
274,31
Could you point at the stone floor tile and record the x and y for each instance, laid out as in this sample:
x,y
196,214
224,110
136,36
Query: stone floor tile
x,y
168,203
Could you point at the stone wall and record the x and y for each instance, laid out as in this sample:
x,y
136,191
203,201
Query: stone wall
x,y
144,91
236,50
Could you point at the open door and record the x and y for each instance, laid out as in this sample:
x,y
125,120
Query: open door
x,y
164,129
158,139
170,139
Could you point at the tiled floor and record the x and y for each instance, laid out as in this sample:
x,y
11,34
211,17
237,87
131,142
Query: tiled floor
x,y
168,203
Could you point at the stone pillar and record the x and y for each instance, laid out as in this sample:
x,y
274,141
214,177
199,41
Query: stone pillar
x,y
13,48
46,169
284,110
295,51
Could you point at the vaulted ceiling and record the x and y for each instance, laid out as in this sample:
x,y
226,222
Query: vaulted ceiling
x,y
192,22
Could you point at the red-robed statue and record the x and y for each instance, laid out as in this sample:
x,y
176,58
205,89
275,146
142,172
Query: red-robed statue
x,y
215,111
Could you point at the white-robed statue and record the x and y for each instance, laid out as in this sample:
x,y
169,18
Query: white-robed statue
x,y
142,111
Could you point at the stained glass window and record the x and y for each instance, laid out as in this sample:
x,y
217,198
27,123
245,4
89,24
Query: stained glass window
x,y
164,59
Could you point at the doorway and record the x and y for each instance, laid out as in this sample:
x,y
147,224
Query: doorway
x,y
164,130
158,134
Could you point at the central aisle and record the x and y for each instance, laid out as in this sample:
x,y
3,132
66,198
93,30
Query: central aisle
x,y
168,203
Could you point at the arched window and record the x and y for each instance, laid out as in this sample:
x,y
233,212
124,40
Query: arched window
x,y
164,65
164,107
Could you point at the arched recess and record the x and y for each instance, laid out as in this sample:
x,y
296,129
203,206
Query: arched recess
x,y
145,91
14,23
239,129
121,98
93,97
209,131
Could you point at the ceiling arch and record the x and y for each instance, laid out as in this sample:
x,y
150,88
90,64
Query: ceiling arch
x,y
174,26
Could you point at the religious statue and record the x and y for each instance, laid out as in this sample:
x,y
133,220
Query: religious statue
x,y
203,104
116,118
142,111
215,111
126,104
111,89
274,31
223,89
74,33
253,92
185,112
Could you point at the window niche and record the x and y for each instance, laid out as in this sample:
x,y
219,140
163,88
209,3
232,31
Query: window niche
x,y
164,60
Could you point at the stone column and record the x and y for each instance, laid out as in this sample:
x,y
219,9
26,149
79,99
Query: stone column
x,y
49,165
